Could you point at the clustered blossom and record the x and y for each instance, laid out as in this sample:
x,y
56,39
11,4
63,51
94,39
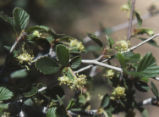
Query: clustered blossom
x,y
76,44
64,80
36,33
118,93
109,74
122,45
77,82
25,57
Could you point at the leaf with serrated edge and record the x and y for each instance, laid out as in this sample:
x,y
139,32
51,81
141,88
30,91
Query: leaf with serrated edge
x,y
21,18
147,66
5,94
154,90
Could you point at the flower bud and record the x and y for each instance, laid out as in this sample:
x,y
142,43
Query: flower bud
x,y
118,92
77,45
36,33
122,45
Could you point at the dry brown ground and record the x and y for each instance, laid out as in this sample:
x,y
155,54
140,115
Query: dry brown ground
x,y
109,14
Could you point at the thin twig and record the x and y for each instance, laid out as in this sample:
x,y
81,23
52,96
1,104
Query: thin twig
x,y
83,69
157,78
93,71
130,49
143,42
102,64
22,34
152,100
86,112
131,19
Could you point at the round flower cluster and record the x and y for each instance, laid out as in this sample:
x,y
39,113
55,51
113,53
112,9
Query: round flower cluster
x,y
25,57
77,45
36,34
77,82
122,45
64,80
109,74
118,93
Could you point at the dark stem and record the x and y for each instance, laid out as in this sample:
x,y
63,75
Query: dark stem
x,y
131,19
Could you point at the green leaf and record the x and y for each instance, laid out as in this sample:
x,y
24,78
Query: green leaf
x,y
47,65
151,42
142,86
51,112
145,113
128,57
19,73
75,62
110,41
147,66
141,31
6,18
71,103
82,99
95,39
21,18
40,28
139,19
154,90
5,94
62,54
3,106
60,100
28,102
105,101
69,73
31,93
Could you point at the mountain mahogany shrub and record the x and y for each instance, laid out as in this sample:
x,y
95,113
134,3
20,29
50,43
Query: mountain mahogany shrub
x,y
41,63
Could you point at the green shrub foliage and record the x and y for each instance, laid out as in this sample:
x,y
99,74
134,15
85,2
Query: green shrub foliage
x,y
42,64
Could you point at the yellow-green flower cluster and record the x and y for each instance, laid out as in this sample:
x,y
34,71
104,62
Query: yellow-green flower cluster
x,y
36,33
122,45
118,92
78,82
76,44
64,80
25,57
109,74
